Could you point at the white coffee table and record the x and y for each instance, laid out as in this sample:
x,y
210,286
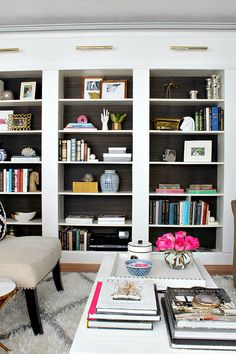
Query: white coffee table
x,y
113,341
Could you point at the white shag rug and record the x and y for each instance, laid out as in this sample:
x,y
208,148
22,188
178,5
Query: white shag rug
x,y
60,314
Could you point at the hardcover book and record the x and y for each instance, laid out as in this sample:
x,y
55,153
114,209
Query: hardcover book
x,y
188,312
80,219
146,305
202,343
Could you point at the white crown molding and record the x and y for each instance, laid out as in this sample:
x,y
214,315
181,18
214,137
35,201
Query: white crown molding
x,y
120,26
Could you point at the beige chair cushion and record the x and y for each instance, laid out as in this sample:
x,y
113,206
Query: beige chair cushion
x,y
28,259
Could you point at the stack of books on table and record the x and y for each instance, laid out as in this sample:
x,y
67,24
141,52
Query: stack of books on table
x,y
121,304
200,318
117,154
111,219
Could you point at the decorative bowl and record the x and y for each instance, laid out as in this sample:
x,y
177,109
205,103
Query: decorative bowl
x,y
23,217
138,267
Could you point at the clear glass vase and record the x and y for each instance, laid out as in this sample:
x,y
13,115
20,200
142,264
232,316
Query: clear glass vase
x,y
178,260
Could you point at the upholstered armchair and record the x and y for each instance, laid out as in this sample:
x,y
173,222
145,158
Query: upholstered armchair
x,y
27,260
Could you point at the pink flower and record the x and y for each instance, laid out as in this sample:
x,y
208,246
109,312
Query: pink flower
x,y
178,242
165,242
191,243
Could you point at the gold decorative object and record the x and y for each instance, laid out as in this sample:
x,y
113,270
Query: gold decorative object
x,y
166,123
19,121
85,187
127,290
168,86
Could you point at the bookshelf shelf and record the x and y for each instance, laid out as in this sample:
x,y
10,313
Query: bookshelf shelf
x,y
186,195
186,226
20,103
95,223
97,132
183,102
96,162
180,132
97,194
187,163
11,221
100,101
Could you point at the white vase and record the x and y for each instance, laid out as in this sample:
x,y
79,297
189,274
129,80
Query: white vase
x,y
178,260
109,181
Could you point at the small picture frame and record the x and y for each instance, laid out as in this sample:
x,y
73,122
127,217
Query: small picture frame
x,y
114,89
19,121
27,90
197,150
91,87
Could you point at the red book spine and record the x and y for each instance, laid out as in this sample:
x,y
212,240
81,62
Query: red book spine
x,y
93,305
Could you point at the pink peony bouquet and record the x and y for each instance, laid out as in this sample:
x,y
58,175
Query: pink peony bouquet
x,y
179,242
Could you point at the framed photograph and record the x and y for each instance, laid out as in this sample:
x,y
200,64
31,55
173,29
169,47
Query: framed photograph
x,y
4,116
114,89
19,121
27,90
91,87
197,150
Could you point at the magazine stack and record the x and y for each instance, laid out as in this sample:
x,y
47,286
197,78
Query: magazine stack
x,y
124,304
200,318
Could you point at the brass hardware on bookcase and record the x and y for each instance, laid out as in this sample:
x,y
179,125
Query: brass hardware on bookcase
x,y
93,47
188,47
6,50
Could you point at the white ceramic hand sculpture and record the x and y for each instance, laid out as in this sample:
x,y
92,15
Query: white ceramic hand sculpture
x,y
105,118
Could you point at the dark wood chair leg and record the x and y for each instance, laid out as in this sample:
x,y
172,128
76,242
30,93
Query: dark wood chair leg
x,y
33,310
57,277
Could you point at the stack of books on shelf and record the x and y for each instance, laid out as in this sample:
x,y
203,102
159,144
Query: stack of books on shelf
x,y
74,239
111,219
84,126
201,189
109,241
14,180
79,219
200,318
169,188
183,212
209,118
117,154
74,150
121,304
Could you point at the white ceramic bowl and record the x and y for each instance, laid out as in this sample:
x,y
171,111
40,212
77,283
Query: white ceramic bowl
x,y
23,217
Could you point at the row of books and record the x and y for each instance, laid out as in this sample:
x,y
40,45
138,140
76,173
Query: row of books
x,y
183,212
209,118
15,180
200,318
118,303
74,238
73,150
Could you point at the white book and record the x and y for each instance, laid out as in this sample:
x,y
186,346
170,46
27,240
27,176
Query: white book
x,y
117,150
147,304
117,157
25,158
79,219
119,324
68,151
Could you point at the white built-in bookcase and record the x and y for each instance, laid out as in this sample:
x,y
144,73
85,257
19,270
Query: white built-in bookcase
x,y
59,74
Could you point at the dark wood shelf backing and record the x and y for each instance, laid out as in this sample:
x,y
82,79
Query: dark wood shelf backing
x,y
27,230
93,205
99,145
158,144
76,173
14,143
93,113
24,203
185,84
14,84
207,236
182,174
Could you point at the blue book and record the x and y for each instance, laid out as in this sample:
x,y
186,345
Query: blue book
x,y
10,180
214,118
186,213
171,213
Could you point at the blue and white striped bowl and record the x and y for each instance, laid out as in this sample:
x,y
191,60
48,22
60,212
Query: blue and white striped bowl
x,y
138,267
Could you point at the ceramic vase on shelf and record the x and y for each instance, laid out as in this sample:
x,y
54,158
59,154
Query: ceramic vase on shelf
x,y
109,181
3,155
178,260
